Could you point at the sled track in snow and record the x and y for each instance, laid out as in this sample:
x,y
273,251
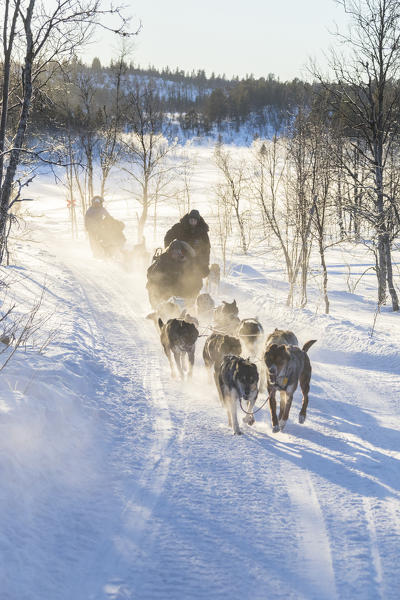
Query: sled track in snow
x,y
126,351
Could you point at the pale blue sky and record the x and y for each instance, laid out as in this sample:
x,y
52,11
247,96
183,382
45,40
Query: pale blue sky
x,y
229,36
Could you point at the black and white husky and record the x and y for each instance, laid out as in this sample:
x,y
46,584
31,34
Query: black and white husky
x,y
237,379
178,338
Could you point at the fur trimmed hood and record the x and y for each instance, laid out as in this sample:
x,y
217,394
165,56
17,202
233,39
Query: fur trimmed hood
x,y
201,225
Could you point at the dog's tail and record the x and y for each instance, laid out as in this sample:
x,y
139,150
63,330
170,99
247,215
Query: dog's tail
x,y
160,323
308,345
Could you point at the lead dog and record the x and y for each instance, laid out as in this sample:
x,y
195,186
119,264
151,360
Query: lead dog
x,y
237,378
178,338
287,365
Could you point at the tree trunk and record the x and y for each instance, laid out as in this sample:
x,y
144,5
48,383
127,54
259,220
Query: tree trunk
x,y
241,228
155,219
381,230
90,171
6,80
389,273
324,276
143,216
18,140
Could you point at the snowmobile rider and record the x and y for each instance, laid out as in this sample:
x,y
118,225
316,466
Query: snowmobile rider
x,y
105,232
173,274
193,230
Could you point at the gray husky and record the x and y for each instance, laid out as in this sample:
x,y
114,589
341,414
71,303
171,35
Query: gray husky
x,y
287,365
237,378
178,338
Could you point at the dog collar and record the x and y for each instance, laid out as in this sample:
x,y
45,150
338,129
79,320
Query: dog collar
x,y
285,381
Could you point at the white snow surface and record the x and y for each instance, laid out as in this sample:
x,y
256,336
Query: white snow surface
x,y
119,483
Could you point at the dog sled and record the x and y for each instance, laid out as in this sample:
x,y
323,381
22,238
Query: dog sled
x,y
174,273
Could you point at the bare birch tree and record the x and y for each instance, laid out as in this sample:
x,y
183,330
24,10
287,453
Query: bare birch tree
x,y
146,150
37,36
366,94
234,184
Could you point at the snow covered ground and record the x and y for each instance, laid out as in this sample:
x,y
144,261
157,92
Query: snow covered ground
x,y
118,483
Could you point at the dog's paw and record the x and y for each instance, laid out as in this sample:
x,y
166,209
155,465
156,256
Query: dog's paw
x,y
237,432
282,424
302,418
275,429
249,419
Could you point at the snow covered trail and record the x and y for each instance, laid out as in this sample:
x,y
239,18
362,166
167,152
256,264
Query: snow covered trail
x,y
139,490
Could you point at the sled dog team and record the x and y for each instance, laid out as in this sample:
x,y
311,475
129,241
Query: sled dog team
x,y
283,365
179,270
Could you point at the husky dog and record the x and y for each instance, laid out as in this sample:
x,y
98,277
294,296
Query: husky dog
x,y
286,366
219,345
237,378
250,333
178,338
214,278
166,310
280,336
226,318
205,306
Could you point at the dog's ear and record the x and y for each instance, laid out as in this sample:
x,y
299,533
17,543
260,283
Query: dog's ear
x,y
270,352
160,323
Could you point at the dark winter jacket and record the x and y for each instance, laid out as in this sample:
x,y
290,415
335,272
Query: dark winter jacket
x,y
101,226
196,236
94,217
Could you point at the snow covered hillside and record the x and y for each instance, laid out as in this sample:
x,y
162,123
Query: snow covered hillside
x,y
119,483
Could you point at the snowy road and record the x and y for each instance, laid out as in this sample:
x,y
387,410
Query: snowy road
x,y
137,489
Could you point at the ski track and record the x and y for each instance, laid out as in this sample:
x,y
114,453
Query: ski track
x,y
192,512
